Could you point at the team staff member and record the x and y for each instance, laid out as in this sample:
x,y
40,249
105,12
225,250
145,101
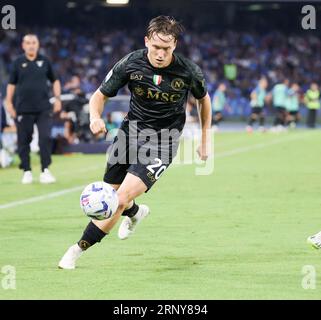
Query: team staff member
x,y
312,101
28,85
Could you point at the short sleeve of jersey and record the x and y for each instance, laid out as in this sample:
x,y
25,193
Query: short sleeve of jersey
x,y
50,73
13,78
198,86
116,78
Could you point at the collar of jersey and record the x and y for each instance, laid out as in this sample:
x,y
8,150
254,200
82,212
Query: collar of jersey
x,y
35,59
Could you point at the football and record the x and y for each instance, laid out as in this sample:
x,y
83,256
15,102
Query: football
x,y
99,200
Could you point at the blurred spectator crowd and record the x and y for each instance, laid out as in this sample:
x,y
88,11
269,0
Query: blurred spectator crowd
x,y
240,57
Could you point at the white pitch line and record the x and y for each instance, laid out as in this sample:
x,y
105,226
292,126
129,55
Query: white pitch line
x,y
50,195
40,198
220,155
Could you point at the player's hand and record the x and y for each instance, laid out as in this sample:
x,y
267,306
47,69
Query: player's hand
x,y
63,115
203,152
13,114
57,106
97,126
12,111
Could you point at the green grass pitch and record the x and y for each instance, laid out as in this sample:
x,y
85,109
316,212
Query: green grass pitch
x,y
239,233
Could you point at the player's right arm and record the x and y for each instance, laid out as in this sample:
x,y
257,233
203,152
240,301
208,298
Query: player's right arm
x,y
116,78
9,100
11,88
253,96
96,108
215,101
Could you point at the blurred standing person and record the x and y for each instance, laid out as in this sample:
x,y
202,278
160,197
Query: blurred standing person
x,y
28,88
218,103
279,95
312,102
292,106
258,96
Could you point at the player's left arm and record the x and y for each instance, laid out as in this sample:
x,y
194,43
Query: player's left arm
x,y
254,97
206,123
199,91
56,88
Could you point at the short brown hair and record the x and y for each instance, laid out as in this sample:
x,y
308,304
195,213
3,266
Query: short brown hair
x,y
166,25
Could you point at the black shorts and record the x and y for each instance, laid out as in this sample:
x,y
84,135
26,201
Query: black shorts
x,y
143,158
257,110
293,113
280,109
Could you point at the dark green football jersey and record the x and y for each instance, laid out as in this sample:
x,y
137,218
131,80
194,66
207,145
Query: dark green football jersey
x,y
158,95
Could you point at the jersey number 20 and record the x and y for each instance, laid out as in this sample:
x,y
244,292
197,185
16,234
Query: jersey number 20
x,y
158,164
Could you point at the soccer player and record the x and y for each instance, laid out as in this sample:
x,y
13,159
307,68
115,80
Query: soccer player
x,y
279,95
258,96
159,81
218,103
292,106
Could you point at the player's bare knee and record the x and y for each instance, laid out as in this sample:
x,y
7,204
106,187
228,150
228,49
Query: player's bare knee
x,y
123,200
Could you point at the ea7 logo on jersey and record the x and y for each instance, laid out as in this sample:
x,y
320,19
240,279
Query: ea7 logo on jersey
x,y
135,76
